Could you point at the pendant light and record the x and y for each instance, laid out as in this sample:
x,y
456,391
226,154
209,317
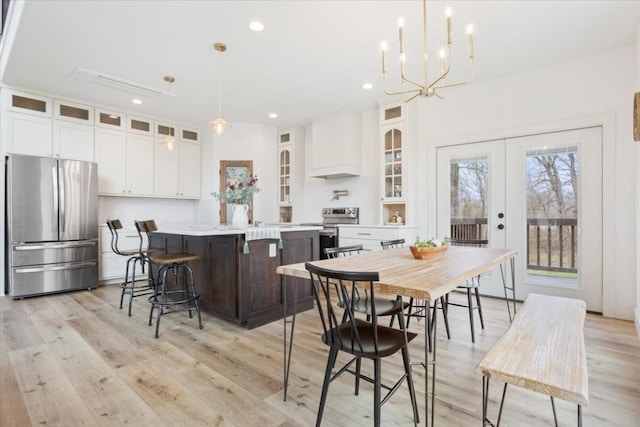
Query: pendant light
x,y
169,141
219,125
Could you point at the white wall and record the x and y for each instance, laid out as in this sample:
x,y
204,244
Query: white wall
x,y
637,210
546,99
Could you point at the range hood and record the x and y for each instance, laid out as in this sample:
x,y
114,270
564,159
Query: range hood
x,y
335,147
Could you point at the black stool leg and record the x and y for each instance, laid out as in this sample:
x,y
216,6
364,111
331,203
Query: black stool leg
x,y
125,284
133,283
193,297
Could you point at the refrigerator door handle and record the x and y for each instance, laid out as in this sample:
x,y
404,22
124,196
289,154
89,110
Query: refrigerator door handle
x,y
55,267
60,246
56,200
61,201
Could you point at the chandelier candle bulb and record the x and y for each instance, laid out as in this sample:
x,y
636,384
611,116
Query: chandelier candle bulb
x,y
448,15
400,34
384,57
470,40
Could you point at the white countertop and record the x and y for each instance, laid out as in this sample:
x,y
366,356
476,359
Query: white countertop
x,y
387,225
220,230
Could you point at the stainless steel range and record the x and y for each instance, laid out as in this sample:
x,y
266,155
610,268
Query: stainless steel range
x,y
331,218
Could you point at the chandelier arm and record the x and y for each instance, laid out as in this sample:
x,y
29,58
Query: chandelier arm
x,y
406,80
400,92
469,80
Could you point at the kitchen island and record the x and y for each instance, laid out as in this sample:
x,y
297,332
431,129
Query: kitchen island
x,y
236,278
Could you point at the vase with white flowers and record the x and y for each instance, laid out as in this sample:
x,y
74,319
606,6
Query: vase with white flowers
x,y
239,193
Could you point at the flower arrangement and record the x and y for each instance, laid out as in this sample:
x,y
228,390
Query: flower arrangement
x,y
240,190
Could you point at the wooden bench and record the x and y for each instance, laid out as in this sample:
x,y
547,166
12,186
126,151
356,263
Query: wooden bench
x,y
543,350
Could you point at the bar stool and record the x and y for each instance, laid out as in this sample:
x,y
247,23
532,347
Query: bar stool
x,y
131,286
168,300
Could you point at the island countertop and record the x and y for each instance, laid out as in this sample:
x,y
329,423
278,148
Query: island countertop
x,y
222,230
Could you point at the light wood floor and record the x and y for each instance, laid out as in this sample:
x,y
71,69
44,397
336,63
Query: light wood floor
x,y
76,359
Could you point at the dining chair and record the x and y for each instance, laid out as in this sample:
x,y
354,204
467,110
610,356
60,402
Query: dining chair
x,y
470,285
386,307
344,332
389,244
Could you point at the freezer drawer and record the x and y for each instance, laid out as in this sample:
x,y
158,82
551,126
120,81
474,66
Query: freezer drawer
x,y
45,279
53,252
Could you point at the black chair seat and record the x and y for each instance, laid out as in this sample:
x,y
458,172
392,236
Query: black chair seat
x,y
390,340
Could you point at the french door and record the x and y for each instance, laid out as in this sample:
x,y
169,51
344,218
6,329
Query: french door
x,y
539,194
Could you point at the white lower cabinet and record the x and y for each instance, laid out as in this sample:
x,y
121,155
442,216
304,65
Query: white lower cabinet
x,y
370,236
112,265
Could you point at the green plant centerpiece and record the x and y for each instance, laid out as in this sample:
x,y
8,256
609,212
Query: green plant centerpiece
x,y
423,248
431,243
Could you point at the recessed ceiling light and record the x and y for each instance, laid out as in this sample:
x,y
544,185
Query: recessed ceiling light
x,y
273,115
256,26
137,101
367,86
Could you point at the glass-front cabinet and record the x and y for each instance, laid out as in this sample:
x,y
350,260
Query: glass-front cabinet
x,y
393,197
285,169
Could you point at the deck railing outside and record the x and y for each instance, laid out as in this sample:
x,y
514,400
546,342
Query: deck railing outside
x,y
551,243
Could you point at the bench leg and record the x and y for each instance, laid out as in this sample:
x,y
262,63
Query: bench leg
x,y
553,407
485,403
504,393
485,399
579,415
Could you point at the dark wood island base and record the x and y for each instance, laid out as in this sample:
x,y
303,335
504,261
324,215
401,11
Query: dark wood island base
x,y
244,287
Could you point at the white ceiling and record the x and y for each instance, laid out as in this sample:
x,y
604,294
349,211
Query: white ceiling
x,y
311,59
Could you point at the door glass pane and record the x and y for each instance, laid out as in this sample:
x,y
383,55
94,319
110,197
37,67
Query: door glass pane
x,y
469,198
552,216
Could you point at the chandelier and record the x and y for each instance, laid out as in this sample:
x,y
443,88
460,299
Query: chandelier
x,y
169,141
219,125
412,89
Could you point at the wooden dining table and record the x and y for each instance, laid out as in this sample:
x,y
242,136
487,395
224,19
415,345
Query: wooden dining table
x,y
401,274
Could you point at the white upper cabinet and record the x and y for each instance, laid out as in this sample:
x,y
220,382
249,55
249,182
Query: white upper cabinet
x,y
139,159
335,147
26,123
27,134
177,171
111,146
125,163
190,170
73,141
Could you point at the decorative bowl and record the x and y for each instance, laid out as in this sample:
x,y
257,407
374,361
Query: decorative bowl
x,y
424,253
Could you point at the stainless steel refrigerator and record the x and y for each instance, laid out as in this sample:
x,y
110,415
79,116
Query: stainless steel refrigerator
x,y
52,225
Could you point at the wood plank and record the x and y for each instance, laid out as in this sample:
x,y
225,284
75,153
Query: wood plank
x,y
48,394
543,350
